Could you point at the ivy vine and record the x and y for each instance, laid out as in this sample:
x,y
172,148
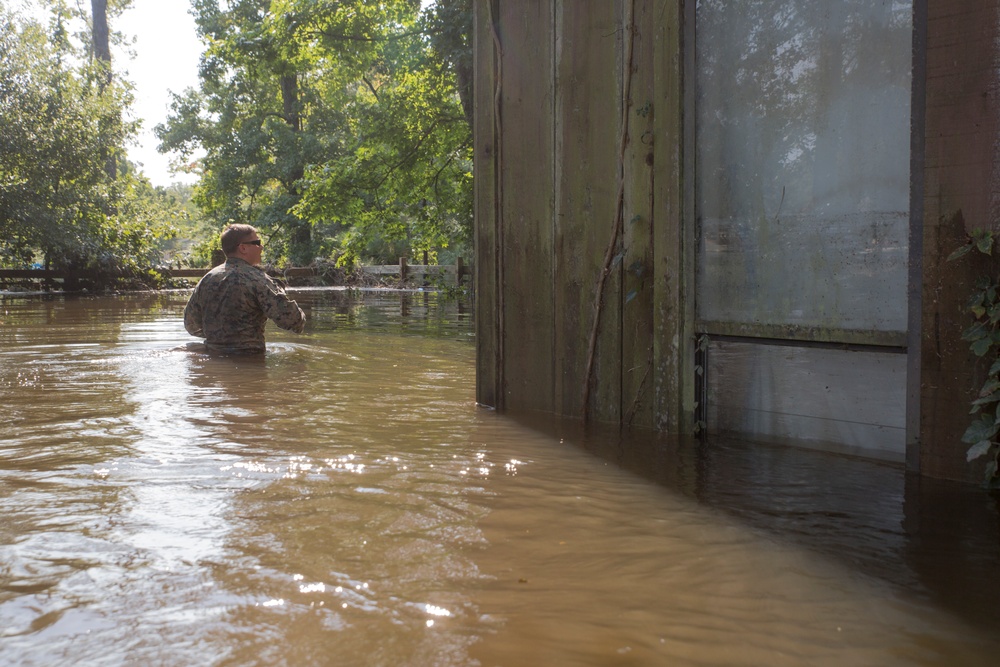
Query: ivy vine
x,y
983,336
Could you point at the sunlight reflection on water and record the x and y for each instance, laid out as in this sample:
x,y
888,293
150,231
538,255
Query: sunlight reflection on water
x,y
344,500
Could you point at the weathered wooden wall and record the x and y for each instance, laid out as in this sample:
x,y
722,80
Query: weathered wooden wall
x,y
578,205
960,192
557,83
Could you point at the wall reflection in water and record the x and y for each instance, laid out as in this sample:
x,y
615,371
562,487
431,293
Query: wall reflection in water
x,y
935,539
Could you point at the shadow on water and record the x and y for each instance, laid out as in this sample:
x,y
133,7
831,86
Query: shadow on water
x,y
933,539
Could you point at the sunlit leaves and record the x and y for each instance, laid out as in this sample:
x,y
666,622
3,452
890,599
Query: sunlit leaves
x,y
60,120
405,177
339,115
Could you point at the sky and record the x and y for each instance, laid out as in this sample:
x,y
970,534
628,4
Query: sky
x,y
166,60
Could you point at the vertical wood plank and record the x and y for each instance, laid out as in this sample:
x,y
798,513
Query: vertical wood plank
x,y
587,112
961,192
486,275
673,229
527,239
637,286
546,206
914,296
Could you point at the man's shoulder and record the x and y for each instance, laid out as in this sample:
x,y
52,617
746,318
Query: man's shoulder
x,y
253,279
217,270
235,267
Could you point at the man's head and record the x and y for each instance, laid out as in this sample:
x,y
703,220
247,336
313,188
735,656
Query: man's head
x,y
242,241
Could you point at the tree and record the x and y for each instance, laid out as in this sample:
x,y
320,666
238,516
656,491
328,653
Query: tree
x,y
59,118
173,207
402,181
449,24
249,117
334,117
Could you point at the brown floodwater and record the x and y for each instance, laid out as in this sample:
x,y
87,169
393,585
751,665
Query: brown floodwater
x,y
343,501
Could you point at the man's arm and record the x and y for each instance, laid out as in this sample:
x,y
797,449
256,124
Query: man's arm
x,y
193,316
277,306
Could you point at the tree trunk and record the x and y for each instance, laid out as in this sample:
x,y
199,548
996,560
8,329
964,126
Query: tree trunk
x,y
453,39
464,81
101,43
101,36
300,246
290,101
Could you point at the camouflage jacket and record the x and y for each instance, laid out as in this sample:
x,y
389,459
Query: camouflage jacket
x,y
231,305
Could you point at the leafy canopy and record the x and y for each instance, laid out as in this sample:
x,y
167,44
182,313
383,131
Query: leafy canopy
x,y
62,118
337,127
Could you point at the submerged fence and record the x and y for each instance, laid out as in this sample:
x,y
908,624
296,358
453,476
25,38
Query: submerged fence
x,y
403,274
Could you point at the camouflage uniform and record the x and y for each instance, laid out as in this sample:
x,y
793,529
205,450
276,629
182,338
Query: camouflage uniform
x,y
231,304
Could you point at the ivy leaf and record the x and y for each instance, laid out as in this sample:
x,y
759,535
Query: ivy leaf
x,y
980,430
990,387
975,332
961,251
984,241
975,300
979,403
982,346
631,295
981,448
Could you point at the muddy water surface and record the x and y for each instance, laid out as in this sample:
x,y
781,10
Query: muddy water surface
x,y
343,501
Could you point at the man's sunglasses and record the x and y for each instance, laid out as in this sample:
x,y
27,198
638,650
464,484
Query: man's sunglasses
x,y
254,242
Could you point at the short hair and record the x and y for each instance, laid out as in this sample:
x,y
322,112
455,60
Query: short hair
x,y
233,235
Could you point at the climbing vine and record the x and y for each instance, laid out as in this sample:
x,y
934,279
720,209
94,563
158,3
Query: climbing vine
x,y
983,336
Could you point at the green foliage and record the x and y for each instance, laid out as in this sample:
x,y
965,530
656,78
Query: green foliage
x,y
404,178
193,238
983,337
337,128
61,125
341,129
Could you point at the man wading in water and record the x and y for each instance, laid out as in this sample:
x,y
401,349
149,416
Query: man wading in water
x,y
232,302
